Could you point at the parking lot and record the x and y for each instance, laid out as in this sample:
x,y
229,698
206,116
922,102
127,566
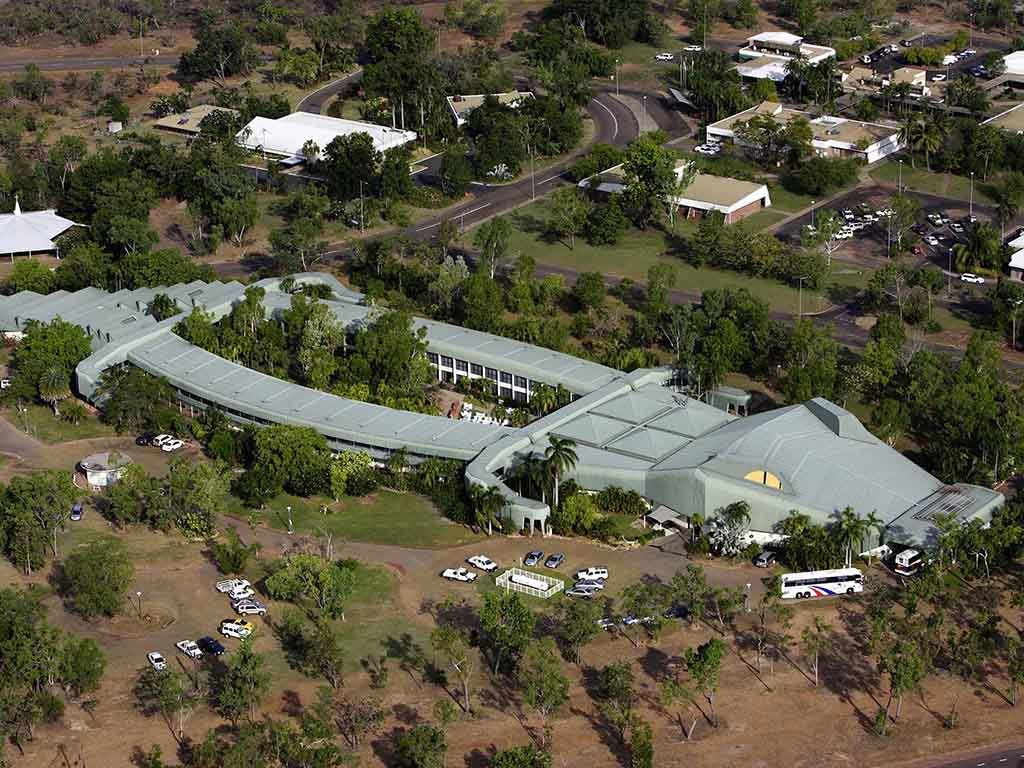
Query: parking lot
x,y
885,63
937,237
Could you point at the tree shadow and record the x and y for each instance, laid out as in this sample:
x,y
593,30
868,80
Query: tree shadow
x,y
655,663
291,703
534,225
844,671
406,715
409,654
384,746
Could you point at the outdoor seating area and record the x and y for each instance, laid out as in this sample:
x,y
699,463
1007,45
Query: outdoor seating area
x,y
476,416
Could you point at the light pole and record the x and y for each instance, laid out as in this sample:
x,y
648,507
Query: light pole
x,y
362,225
1016,306
949,274
746,598
643,121
800,297
291,530
533,176
138,596
899,184
616,77
812,213
970,211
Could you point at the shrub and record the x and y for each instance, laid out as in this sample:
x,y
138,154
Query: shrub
x,y
619,501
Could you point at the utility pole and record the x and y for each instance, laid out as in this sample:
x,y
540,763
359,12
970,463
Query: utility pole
x,y
1016,306
643,122
899,184
362,224
533,175
800,297
616,77
971,208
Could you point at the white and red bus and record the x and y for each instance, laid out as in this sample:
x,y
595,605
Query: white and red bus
x,y
840,581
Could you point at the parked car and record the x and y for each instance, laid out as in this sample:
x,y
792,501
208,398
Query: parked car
x,y
631,620
581,592
765,559
866,58
596,586
970,277
606,624
5,383
146,438
189,648
483,563
458,574
229,585
693,49
675,612
240,593
156,661
77,511
939,77
172,445
957,227
210,645
250,608
554,560
593,572
932,240
236,628
664,57
159,440
532,558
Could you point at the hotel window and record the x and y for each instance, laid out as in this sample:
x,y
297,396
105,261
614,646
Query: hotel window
x,y
476,370
461,366
432,357
521,382
506,378
446,361
492,374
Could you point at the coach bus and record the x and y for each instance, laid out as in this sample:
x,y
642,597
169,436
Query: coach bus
x,y
841,581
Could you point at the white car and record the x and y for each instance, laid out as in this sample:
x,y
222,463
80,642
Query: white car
x,y
593,586
693,49
482,562
238,629
230,585
932,240
848,215
189,648
970,277
240,593
938,78
593,573
156,661
708,149
664,57
172,445
957,227
968,52
843,234
458,574
606,624
159,440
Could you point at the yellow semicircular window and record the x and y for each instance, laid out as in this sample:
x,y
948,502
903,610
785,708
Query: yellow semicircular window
x,y
763,477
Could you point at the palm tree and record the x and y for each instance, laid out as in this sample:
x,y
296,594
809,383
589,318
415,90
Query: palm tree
x,y
908,134
560,457
488,504
535,472
54,386
873,523
928,139
543,399
851,529
735,515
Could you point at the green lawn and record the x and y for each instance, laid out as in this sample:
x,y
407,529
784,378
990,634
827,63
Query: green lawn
x,y
786,201
636,252
920,180
39,422
383,517
764,219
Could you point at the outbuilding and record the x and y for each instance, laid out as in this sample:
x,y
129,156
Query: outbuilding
x,y
104,469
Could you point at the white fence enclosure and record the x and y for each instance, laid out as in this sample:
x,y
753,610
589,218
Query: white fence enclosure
x,y
528,583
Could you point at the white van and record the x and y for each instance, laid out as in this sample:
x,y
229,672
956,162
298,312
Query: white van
x,y
598,572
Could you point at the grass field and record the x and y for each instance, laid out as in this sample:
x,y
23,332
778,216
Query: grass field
x,y
786,201
921,180
635,253
39,422
383,517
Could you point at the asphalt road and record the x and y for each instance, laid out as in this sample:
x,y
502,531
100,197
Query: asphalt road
x,y
89,62
1010,758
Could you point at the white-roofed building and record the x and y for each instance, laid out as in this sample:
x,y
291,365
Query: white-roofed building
x,y
1017,265
765,55
1014,63
286,136
31,231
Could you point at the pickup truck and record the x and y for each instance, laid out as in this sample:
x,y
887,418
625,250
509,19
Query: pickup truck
x,y
231,585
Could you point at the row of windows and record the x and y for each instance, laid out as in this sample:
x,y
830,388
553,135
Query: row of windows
x,y
464,368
